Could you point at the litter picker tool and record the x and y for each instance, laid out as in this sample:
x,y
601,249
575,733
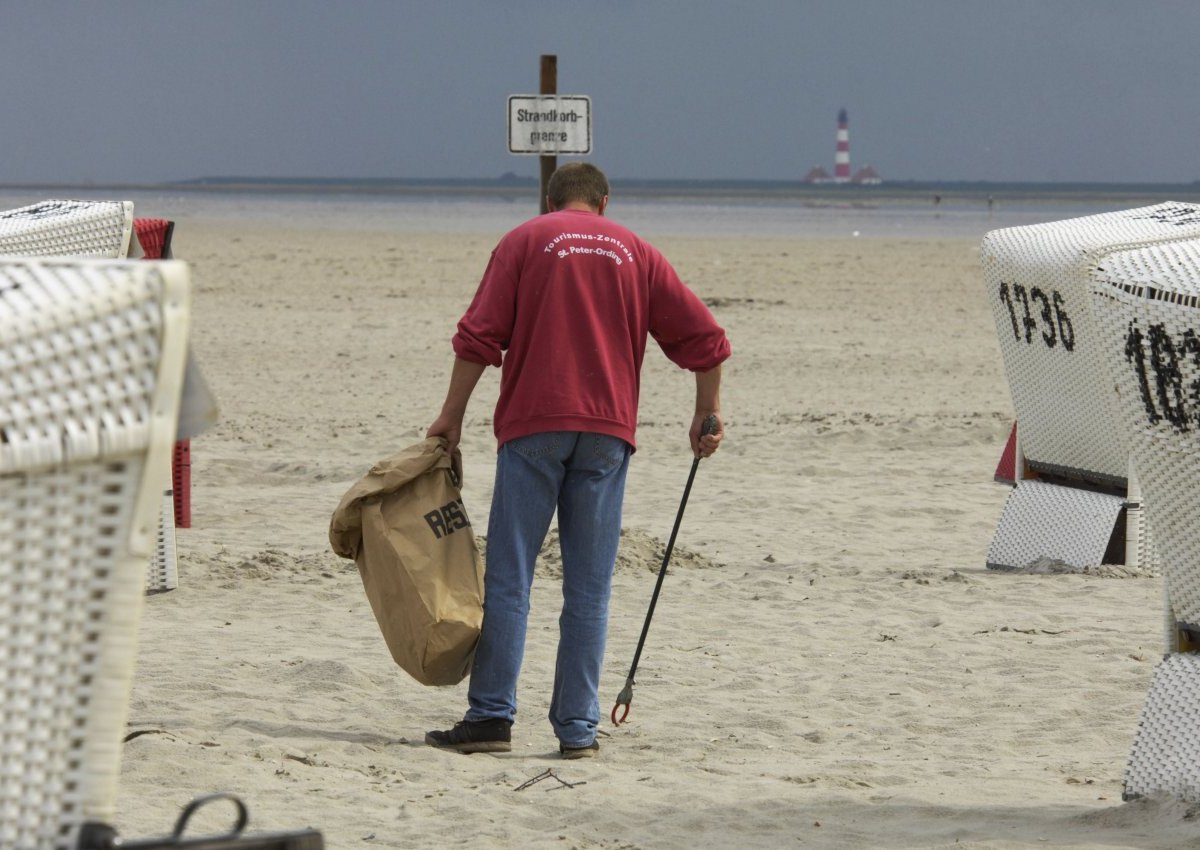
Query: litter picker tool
x,y
624,698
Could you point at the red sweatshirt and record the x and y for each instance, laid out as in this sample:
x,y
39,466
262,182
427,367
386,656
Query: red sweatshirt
x,y
566,304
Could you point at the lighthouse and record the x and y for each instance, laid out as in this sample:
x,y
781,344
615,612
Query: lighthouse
x,y
866,175
841,163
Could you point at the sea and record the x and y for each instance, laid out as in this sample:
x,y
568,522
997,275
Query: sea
x,y
667,208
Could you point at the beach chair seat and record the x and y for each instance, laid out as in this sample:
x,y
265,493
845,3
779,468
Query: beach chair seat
x,y
1147,306
1038,285
1066,525
91,365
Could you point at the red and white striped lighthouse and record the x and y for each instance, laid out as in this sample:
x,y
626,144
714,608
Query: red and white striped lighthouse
x,y
841,163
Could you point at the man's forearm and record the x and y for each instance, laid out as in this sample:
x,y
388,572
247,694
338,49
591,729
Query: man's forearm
x,y
708,391
464,375
708,403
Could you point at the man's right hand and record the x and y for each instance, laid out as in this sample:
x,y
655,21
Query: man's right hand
x,y
447,427
704,445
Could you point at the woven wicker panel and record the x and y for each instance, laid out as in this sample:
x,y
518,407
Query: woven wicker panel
x,y
1147,307
54,599
164,566
1142,553
91,365
1046,521
1037,279
1166,750
68,228
96,228
1170,623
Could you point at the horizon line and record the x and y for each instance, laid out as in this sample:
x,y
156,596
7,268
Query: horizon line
x,y
511,180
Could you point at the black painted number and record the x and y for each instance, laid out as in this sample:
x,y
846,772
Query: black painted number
x,y
1055,325
1157,359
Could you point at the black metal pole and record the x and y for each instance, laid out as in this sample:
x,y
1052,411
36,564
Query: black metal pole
x,y
625,697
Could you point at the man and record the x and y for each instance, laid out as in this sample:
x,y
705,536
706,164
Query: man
x,y
565,308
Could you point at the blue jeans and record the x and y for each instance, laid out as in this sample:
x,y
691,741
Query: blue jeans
x,y
582,475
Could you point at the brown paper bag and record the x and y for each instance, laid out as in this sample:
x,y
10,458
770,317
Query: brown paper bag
x,y
405,526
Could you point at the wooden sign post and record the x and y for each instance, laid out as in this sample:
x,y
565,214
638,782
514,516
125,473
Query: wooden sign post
x,y
549,85
547,124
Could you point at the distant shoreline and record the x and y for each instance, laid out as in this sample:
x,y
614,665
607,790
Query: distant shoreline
x,y
514,187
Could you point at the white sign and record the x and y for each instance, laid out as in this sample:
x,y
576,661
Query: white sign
x,y
549,124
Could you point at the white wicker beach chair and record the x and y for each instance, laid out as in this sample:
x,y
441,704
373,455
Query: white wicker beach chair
x,y
1165,759
102,229
1146,303
68,228
1038,286
91,365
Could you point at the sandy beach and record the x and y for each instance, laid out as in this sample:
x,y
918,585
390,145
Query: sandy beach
x,y
830,664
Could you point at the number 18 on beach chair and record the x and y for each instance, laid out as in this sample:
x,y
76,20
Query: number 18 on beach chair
x,y
1147,306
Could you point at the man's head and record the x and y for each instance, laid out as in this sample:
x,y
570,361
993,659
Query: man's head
x,y
577,183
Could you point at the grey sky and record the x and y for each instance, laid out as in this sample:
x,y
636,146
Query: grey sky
x,y
154,90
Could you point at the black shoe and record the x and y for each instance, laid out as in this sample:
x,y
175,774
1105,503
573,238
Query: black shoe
x,y
474,736
579,752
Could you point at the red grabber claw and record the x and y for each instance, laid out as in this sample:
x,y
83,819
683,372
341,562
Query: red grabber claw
x,y
623,699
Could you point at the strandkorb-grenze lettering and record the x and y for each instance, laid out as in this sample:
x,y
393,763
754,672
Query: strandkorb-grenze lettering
x,y
550,116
